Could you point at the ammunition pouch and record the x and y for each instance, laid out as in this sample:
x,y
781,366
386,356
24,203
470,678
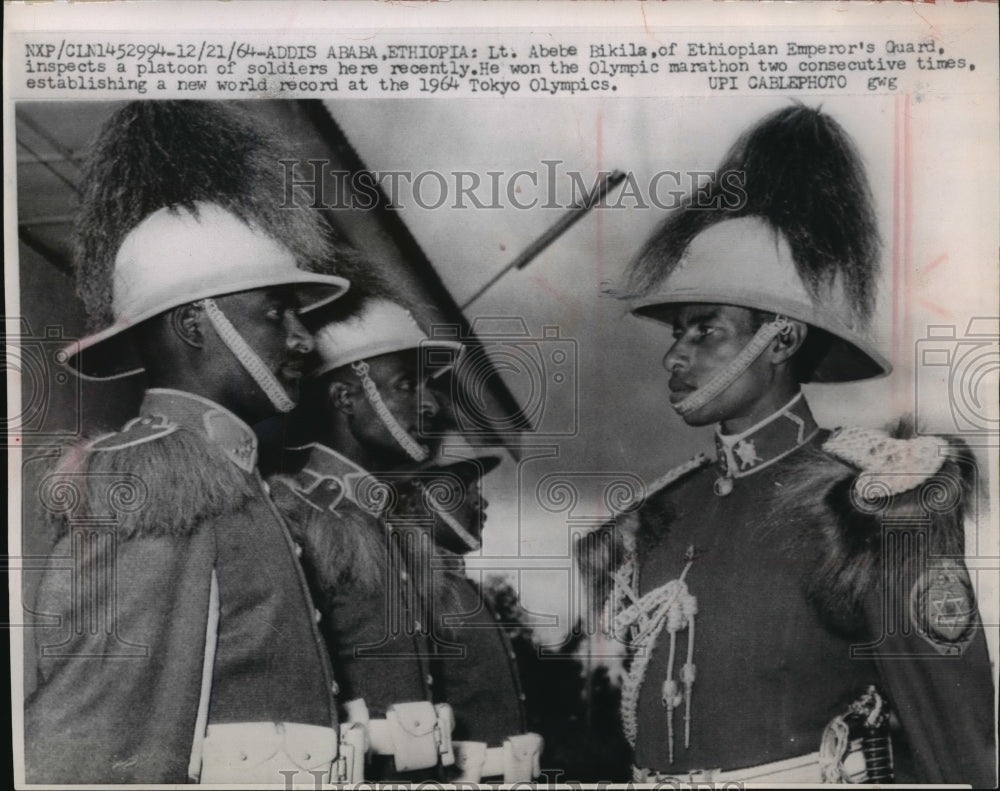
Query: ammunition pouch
x,y
257,753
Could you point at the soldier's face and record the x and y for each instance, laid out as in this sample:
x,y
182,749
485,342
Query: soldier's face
x,y
707,338
407,396
267,320
470,511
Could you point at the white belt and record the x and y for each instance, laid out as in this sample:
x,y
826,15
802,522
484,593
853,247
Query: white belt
x,y
517,761
260,753
801,769
417,735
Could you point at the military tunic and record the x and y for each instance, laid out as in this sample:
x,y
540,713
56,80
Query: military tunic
x,y
370,610
158,508
767,669
477,668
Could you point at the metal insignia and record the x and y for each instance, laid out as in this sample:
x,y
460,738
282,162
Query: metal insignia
x,y
943,608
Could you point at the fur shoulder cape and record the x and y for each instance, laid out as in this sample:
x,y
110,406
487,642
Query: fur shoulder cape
x,y
841,513
838,506
148,484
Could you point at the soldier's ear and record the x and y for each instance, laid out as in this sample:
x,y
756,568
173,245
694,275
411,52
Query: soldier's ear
x,y
185,321
788,342
340,397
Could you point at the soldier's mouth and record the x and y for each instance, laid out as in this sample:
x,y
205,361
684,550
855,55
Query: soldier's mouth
x,y
679,391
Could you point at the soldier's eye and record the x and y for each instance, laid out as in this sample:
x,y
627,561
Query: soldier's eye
x,y
274,313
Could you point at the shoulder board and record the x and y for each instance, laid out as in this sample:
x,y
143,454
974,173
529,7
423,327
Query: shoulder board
x,y
147,428
676,473
672,475
899,464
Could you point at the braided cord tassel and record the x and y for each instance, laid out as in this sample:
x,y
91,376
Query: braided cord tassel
x,y
414,450
688,673
247,357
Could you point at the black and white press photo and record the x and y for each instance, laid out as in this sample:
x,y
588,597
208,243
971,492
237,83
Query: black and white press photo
x,y
478,395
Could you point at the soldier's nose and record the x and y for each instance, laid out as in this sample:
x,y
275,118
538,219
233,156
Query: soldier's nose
x,y
429,405
675,358
299,339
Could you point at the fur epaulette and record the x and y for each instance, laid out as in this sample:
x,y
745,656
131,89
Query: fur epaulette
x,y
603,551
841,497
151,479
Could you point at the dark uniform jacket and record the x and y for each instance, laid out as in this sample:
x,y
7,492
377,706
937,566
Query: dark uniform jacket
x,y
370,608
145,516
802,592
477,670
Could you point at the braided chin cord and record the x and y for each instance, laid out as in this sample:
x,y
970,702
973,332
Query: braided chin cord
x,y
413,449
454,525
247,357
709,391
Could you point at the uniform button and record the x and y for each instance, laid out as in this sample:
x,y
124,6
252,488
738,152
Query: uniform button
x,y
430,680
404,576
512,655
496,615
317,615
334,688
298,551
417,626
266,487
522,697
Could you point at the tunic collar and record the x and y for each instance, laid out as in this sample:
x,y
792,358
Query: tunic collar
x,y
761,445
204,417
324,464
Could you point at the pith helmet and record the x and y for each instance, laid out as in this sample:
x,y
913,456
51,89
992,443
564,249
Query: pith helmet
x,y
380,326
459,457
176,256
748,263
183,200
801,240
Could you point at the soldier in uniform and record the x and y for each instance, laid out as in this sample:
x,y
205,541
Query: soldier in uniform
x,y
362,409
476,666
185,646
796,604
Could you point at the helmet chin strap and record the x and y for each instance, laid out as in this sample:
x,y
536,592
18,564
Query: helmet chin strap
x,y
247,357
413,449
736,368
460,532
470,541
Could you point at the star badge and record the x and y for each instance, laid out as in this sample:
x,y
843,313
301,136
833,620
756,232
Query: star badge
x,y
942,607
746,453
